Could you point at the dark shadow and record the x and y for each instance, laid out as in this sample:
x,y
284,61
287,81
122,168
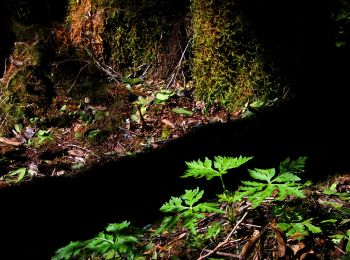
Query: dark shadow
x,y
39,217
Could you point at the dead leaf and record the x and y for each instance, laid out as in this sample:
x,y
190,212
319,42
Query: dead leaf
x,y
281,241
3,184
76,153
78,128
306,255
168,123
250,245
297,247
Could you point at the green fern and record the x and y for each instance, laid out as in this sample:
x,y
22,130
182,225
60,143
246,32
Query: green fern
x,y
302,228
337,238
207,169
186,211
70,251
267,184
117,242
293,166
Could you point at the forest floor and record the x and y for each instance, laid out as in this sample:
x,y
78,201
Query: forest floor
x,y
150,118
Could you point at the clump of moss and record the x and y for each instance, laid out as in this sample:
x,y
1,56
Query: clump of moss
x,y
25,90
228,64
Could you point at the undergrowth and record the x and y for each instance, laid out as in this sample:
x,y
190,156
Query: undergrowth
x,y
272,215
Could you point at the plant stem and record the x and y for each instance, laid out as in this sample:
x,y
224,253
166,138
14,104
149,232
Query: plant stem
x,y
222,183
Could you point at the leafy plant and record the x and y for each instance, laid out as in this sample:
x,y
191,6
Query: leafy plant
x,y
285,183
163,95
117,242
182,111
303,228
20,173
342,236
187,210
41,137
291,220
293,166
208,170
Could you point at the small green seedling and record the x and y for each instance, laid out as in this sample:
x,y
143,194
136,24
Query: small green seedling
x,y
187,210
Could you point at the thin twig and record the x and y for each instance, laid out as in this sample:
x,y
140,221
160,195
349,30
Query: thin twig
x,y
224,254
5,68
177,67
76,78
226,239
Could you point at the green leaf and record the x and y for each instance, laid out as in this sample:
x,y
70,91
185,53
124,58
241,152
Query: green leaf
x,y
162,97
199,169
347,248
208,207
132,81
256,192
258,197
19,128
20,173
302,228
117,227
174,206
225,163
312,228
286,177
192,196
262,174
294,166
67,252
182,111
186,215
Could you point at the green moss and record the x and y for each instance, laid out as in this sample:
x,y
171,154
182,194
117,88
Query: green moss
x,y
133,33
228,65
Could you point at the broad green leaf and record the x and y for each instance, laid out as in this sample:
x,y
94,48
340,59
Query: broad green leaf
x,y
18,128
182,111
162,97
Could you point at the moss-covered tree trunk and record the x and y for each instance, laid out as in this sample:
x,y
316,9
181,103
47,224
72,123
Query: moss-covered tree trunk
x,y
228,64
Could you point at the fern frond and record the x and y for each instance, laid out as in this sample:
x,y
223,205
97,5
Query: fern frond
x,y
226,163
199,169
